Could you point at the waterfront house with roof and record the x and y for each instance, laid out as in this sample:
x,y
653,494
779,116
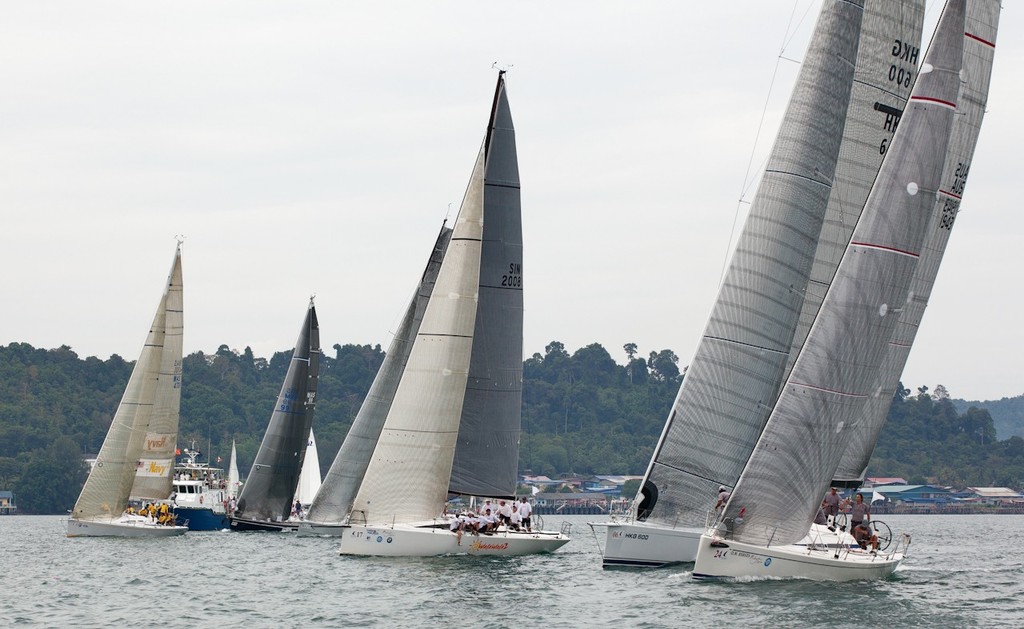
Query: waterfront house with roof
x,y
7,506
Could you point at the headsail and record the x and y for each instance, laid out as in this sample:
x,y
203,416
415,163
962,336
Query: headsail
x,y
735,374
487,455
270,486
408,476
334,499
979,50
233,478
790,468
309,478
155,472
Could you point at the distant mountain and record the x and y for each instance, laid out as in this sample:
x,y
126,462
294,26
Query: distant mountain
x,y
1007,414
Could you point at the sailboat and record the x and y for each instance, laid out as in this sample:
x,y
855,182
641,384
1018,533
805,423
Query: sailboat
x,y
333,501
823,163
265,502
309,477
458,400
148,411
790,468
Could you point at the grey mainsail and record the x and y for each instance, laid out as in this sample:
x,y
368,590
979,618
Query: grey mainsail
x,y
794,460
487,452
110,481
979,50
270,487
738,366
334,499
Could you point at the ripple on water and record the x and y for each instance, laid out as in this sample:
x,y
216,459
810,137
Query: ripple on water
x,y
282,580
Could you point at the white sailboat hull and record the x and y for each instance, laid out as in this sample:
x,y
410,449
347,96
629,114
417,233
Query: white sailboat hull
x,y
426,540
641,545
125,526
718,559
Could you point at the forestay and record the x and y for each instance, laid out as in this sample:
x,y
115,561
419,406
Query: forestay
x,y
798,451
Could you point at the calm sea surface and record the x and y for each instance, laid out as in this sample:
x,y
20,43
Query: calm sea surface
x,y
964,571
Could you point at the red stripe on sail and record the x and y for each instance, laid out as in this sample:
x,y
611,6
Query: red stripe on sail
x,y
976,38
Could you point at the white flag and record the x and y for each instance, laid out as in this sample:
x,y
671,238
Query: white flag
x,y
535,490
877,497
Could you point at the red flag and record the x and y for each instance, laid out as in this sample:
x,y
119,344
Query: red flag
x,y
177,452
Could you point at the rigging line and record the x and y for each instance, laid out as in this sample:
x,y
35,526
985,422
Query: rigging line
x,y
745,187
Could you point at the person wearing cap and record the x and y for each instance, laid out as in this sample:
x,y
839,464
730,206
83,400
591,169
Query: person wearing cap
x,y
723,497
525,511
832,501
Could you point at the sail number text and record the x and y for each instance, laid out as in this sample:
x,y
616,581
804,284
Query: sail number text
x,y
514,277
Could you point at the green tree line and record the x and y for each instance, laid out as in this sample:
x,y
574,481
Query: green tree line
x,y
583,413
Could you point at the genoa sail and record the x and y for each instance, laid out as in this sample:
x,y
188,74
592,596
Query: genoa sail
x,y
334,498
735,374
781,486
155,473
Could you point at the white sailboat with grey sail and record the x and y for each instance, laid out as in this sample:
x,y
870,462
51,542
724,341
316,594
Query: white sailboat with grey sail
x,y
824,160
793,463
148,411
453,423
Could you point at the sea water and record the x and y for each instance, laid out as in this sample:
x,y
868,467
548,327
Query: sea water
x,y
963,571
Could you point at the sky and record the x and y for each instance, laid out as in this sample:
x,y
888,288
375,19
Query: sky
x,y
315,147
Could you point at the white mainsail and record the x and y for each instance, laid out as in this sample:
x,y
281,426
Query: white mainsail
x,y
788,472
309,477
979,51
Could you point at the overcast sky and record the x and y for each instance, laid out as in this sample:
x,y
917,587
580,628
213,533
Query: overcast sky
x,y
315,147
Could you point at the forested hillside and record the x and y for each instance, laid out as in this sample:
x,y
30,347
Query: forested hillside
x,y
583,413
1007,413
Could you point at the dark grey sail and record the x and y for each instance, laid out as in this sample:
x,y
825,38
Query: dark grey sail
x,y
487,451
334,499
268,491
